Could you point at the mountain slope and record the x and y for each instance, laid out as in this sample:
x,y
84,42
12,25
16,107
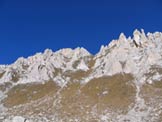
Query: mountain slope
x,y
121,83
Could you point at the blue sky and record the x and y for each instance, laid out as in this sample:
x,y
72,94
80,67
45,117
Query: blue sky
x,y
30,26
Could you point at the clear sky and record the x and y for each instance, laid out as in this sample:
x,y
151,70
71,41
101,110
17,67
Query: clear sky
x,y
30,26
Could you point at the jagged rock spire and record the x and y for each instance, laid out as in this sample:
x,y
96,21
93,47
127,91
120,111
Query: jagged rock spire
x,y
122,37
50,65
136,37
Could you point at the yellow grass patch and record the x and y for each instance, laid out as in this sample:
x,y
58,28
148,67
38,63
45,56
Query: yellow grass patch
x,y
115,92
25,93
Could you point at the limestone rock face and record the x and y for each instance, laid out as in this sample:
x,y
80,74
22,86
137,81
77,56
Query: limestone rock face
x,y
121,83
19,119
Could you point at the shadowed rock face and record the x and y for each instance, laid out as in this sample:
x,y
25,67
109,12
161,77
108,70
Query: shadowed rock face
x,y
1,74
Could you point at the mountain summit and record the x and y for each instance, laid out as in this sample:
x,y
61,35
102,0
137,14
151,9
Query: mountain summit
x,y
121,83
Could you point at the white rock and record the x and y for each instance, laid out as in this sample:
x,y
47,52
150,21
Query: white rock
x,y
120,56
82,66
19,119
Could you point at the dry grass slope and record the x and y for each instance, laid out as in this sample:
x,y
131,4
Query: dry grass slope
x,y
120,93
115,93
152,94
25,93
76,100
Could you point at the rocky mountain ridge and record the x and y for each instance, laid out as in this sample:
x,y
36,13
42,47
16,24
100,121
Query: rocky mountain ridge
x,y
135,55
121,83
